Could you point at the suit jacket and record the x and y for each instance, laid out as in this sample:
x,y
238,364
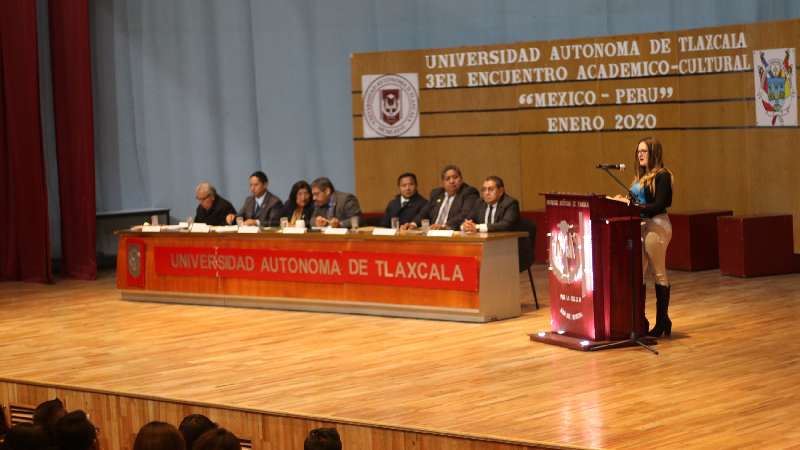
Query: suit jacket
x,y
506,214
464,201
270,212
407,213
216,214
345,206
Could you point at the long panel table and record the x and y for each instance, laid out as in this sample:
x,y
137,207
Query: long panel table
x,y
467,277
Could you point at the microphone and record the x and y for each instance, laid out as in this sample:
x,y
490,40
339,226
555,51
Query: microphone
x,y
611,166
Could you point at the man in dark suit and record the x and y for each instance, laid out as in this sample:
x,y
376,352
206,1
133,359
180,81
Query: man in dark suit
x,y
331,207
262,205
496,212
450,204
407,204
212,209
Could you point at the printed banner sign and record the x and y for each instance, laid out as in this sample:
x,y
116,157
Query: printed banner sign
x,y
394,269
775,81
391,105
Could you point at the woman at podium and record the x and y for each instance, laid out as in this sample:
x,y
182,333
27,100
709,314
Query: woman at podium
x,y
652,190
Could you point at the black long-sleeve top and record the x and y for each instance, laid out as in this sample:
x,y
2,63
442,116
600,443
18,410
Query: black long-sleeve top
x,y
662,199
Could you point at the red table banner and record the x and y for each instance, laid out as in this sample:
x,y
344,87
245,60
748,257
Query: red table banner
x,y
396,269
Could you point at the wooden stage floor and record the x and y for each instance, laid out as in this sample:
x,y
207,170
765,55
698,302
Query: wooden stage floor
x,y
728,378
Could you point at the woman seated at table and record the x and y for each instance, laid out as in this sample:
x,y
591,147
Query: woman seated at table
x,y
299,205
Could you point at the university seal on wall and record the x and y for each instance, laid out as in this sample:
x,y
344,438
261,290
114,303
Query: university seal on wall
x,y
775,91
391,105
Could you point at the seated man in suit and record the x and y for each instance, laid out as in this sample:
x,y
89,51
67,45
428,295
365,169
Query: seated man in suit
x,y
450,204
212,209
407,204
331,207
496,212
262,205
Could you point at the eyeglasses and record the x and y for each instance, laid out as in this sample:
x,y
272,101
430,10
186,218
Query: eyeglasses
x,y
641,151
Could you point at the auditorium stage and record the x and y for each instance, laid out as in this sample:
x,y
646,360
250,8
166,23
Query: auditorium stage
x,y
727,378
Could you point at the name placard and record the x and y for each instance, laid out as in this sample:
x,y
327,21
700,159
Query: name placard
x,y
336,231
440,233
294,230
248,229
384,232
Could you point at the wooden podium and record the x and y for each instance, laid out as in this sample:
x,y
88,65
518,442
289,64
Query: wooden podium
x,y
595,259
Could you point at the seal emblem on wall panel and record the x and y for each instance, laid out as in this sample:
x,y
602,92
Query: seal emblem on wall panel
x,y
391,105
775,91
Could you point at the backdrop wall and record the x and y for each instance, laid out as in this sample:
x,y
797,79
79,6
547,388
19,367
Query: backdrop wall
x,y
187,90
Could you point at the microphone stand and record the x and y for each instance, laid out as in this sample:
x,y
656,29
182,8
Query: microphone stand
x,y
634,338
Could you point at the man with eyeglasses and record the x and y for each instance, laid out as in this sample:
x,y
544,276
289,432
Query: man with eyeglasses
x,y
496,211
212,209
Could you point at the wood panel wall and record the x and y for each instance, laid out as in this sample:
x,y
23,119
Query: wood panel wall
x,y
119,417
720,159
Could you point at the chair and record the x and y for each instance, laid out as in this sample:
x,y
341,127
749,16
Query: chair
x,y
527,252
20,414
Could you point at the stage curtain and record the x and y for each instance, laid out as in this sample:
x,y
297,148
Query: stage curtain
x,y
70,56
24,236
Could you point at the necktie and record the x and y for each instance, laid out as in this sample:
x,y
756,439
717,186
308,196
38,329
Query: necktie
x,y
491,214
444,210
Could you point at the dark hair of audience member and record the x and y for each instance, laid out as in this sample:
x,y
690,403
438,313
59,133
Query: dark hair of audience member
x,y
217,439
25,436
194,425
323,439
74,431
47,414
159,436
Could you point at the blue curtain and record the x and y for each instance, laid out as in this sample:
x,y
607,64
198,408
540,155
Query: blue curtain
x,y
191,90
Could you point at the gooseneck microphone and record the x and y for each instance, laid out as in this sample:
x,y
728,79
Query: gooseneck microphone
x,y
611,166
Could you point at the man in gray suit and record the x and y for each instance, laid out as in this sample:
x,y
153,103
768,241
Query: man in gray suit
x,y
497,211
262,205
331,207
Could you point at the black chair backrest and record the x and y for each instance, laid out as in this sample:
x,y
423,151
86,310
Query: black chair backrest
x,y
527,245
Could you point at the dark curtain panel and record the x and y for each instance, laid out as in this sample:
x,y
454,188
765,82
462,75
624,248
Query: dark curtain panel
x,y
24,238
70,55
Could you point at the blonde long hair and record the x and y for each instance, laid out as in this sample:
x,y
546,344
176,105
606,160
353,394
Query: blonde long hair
x,y
646,176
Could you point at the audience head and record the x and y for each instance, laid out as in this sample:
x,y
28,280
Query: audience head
x,y
74,431
258,183
25,436
205,194
47,414
217,439
300,195
407,183
492,189
323,439
193,426
451,179
159,436
321,190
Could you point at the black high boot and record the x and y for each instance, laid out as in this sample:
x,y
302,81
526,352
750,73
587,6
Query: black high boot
x,y
663,324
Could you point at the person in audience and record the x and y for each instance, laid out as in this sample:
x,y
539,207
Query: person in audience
x,y
25,436
194,425
323,439
407,204
332,208
261,206
159,436
217,439
299,205
47,414
212,209
75,431
449,204
497,211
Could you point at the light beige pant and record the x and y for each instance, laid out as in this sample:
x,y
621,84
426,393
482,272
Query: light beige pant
x,y
656,234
